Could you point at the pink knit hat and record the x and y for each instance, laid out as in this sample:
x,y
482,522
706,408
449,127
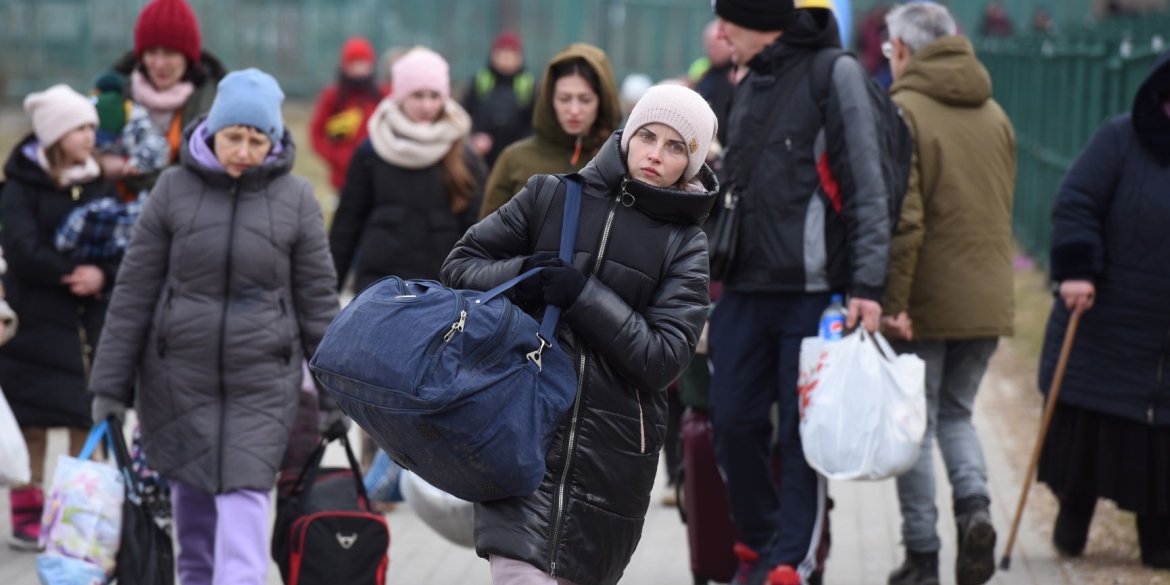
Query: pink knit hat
x,y
58,111
420,69
682,109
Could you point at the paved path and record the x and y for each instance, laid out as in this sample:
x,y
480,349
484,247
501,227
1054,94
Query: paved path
x,y
865,529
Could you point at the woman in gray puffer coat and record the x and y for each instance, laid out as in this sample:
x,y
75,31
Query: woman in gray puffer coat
x,y
226,286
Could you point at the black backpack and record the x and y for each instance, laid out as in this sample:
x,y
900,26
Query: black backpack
x,y
326,531
894,138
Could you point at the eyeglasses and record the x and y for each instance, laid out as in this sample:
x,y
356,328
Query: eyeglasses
x,y
888,49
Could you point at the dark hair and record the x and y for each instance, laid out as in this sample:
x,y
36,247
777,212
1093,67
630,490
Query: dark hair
x,y
55,155
579,66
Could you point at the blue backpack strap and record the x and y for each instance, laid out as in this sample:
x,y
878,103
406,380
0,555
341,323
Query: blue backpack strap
x,y
568,243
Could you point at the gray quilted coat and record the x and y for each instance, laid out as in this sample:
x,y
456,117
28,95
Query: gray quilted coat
x,y
226,286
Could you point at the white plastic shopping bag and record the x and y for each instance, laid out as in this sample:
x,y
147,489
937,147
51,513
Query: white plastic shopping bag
x,y
862,407
452,518
14,468
83,514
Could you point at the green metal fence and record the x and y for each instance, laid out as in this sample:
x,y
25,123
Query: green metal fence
x,y
47,41
1057,93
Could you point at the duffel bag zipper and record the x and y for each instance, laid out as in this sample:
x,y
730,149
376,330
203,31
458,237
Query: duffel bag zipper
x,y
430,357
483,351
571,443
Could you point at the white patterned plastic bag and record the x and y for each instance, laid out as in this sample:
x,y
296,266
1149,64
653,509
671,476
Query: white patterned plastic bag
x,y
452,518
83,509
862,407
14,469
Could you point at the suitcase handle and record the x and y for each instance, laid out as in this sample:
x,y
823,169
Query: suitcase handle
x,y
309,472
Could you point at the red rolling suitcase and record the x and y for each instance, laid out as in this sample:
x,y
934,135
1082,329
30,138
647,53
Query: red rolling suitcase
x,y
703,502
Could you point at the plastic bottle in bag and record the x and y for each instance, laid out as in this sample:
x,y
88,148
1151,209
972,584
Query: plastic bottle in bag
x,y
833,320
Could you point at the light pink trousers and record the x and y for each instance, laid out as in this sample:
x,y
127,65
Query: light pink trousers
x,y
509,572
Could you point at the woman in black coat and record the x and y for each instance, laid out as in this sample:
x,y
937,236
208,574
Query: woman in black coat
x,y
635,299
61,301
1110,437
415,187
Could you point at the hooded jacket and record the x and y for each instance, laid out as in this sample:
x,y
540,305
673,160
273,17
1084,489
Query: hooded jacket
x,y
226,287
631,333
1109,227
550,150
43,370
815,211
339,123
951,256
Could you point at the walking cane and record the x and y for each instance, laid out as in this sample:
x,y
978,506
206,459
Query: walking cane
x,y
1049,409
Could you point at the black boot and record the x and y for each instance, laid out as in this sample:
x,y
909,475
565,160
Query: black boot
x,y
1072,526
975,564
919,569
1154,537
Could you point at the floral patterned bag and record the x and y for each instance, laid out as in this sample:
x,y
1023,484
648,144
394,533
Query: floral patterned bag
x,y
83,510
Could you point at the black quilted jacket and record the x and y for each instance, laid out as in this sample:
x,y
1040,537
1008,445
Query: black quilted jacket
x,y
631,333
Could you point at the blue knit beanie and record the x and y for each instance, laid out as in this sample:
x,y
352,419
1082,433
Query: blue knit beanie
x,y
248,98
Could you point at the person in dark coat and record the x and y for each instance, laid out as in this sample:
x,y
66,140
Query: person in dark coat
x,y
172,80
635,299
61,302
1110,435
501,99
415,187
226,287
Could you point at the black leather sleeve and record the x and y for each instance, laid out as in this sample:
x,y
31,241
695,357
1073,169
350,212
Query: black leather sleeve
x,y
649,349
493,250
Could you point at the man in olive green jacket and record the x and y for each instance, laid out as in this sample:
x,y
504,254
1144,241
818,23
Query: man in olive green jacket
x,y
950,295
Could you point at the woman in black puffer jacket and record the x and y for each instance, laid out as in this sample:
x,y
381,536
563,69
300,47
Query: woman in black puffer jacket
x,y
635,299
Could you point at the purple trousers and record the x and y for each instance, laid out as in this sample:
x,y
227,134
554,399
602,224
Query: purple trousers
x,y
223,539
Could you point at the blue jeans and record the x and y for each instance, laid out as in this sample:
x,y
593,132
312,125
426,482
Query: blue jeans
x,y
954,370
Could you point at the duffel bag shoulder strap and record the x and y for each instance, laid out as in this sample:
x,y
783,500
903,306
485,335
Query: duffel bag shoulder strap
x,y
552,315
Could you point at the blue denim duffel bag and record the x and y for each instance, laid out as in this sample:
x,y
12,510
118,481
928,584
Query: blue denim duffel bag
x,y
460,387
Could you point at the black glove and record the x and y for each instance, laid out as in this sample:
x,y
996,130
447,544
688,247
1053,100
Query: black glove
x,y
562,283
529,291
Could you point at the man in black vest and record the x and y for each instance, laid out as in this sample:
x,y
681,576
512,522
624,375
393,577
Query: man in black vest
x,y
815,222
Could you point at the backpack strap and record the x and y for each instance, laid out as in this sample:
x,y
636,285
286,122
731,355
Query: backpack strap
x,y
524,86
821,82
545,193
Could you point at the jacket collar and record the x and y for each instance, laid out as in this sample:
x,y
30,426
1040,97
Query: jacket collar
x,y
256,178
607,172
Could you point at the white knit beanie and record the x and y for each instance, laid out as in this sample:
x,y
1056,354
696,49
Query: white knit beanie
x,y
682,109
58,111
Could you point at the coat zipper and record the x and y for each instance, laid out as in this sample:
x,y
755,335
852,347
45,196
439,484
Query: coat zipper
x,y
1160,378
582,362
86,350
223,317
641,421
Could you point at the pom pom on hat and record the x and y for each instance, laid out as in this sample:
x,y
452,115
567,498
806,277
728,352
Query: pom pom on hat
x,y
170,24
57,111
683,110
248,98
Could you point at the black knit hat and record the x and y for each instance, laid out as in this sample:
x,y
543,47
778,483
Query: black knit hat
x,y
762,15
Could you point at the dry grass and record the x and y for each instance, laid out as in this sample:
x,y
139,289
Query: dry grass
x,y
1112,556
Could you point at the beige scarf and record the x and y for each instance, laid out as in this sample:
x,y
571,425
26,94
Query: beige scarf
x,y
74,175
410,145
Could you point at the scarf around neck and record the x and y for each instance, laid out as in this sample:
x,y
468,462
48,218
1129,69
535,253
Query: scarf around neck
x,y
402,142
161,105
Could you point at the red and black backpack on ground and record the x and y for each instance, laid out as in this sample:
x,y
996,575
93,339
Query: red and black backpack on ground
x,y
327,533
